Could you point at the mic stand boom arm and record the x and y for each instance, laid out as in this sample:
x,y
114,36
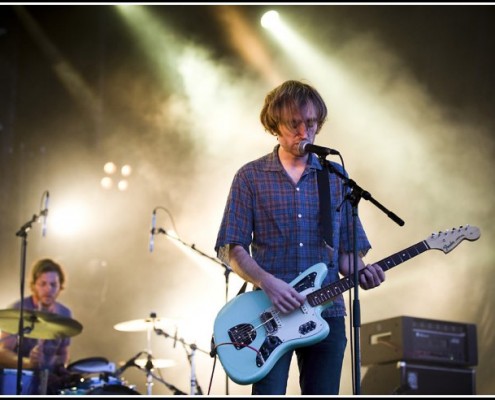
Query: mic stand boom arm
x,y
357,192
193,246
354,196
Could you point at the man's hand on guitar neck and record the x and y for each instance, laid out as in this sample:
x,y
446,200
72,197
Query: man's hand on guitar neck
x,y
371,276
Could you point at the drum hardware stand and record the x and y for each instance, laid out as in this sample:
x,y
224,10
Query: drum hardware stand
x,y
195,387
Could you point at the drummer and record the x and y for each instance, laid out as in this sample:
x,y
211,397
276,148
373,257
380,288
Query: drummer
x,y
47,279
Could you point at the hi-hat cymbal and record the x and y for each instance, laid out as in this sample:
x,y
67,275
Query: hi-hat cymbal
x,y
157,362
39,324
139,325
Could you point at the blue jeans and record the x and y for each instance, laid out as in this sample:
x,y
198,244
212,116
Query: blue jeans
x,y
320,366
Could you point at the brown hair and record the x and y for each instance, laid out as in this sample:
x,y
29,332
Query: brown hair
x,y
290,95
47,265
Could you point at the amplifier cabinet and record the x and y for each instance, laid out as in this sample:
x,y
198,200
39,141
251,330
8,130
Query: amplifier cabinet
x,y
402,378
419,340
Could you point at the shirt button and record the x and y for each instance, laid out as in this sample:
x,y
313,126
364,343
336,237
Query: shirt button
x,y
301,245
299,216
297,189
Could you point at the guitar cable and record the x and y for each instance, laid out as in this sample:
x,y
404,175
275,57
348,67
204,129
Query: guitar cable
x,y
213,353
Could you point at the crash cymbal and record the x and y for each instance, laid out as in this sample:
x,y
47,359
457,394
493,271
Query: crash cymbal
x,y
157,362
39,324
139,325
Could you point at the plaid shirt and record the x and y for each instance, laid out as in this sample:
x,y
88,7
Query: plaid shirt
x,y
278,221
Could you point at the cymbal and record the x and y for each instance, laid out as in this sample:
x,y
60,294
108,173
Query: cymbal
x,y
43,325
157,362
92,365
139,325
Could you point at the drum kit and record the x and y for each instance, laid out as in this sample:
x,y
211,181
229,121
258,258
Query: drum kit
x,y
94,375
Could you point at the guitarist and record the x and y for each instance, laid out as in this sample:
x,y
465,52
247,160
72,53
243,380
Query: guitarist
x,y
270,233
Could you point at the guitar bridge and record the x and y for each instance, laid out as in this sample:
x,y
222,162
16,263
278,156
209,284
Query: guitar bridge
x,y
242,335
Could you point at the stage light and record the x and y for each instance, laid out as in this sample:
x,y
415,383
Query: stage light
x,y
123,185
270,20
106,182
110,168
126,170
69,219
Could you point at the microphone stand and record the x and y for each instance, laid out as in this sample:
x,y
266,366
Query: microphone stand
x,y
355,194
227,272
22,232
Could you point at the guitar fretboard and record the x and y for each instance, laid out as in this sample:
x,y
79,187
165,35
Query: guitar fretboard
x,y
332,290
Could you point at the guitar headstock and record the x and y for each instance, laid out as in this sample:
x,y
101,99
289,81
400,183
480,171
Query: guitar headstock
x,y
448,240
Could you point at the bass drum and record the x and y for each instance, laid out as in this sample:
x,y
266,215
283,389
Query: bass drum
x,y
8,382
112,390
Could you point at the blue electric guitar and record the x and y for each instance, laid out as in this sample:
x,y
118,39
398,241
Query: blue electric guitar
x,y
250,336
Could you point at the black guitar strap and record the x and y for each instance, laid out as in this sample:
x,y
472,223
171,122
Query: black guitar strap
x,y
324,193
242,289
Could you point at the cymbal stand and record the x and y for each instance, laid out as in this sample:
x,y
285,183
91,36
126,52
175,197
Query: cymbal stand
x,y
149,376
149,363
150,373
195,387
194,384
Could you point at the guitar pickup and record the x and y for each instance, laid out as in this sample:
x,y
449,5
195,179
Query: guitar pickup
x,y
309,326
269,322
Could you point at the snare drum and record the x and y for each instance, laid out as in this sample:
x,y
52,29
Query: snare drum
x,y
8,382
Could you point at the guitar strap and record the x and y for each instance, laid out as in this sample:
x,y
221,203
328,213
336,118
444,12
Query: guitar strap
x,y
242,289
324,193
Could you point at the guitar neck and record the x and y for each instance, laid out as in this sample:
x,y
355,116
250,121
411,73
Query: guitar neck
x,y
327,293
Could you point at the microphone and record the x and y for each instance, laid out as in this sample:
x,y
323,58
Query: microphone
x,y
44,213
306,147
128,364
152,232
